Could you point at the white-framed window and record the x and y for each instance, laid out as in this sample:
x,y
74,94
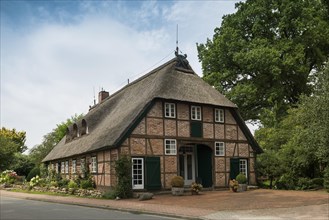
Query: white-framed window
x,y
137,173
170,110
74,166
219,149
93,164
170,147
67,166
219,115
56,167
243,166
62,167
196,113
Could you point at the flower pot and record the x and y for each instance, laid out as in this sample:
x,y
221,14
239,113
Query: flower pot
x,y
177,191
242,187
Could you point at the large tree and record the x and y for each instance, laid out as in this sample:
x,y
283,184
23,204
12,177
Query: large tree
x,y
12,143
300,141
263,56
38,152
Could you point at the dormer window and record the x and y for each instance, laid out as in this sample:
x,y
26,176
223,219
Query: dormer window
x,y
75,131
84,127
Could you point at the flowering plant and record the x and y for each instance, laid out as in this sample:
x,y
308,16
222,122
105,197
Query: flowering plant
x,y
234,185
36,181
196,187
8,176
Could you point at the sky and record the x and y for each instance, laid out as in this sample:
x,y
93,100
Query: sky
x,y
57,55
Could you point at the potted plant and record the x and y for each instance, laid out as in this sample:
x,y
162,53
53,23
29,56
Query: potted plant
x,y
242,179
196,188
234,185
177,185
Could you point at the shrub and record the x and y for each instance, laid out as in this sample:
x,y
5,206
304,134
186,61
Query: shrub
x,y
33,173
86,184
317,182
177,181
241,178
326,179
286,181
53,183
109,195
37,181
63,183
72,184
8,176
123,188
304,183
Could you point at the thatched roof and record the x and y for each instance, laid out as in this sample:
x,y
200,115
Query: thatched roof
x,y
109,120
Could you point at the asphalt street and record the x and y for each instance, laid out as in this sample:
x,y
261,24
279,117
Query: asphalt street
x,y
15,208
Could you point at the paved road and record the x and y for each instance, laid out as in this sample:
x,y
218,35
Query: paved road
x,y
15,208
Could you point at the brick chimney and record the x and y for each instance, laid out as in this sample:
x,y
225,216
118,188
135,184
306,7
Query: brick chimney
x,y
102,95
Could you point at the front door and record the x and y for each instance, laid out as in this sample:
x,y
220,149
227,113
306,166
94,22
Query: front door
x,y
187,164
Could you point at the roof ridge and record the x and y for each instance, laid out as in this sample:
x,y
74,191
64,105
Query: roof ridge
x,y
137,80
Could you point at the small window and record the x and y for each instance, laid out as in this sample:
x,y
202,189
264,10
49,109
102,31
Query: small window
x,y
196,113
219,149
219,115
94,165
243,166
52,166
62,167
57,167
170,147
67,166
170,110
137,173
74,166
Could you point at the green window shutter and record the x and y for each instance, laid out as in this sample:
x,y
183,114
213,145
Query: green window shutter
x,y
234,167
152,173
196,129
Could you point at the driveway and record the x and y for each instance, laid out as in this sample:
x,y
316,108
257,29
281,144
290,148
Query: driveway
x,y
254,204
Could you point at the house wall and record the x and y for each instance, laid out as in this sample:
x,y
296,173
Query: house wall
x,y
147,139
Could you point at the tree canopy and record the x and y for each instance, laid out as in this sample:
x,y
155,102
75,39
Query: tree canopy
x,y
263,56
300,141
38,152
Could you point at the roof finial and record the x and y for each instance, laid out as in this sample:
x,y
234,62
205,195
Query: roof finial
x,y
177,50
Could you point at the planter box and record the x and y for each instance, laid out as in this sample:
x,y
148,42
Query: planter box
x,y
177,191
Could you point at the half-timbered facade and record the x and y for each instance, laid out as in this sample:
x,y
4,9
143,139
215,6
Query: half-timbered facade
x,y
170,122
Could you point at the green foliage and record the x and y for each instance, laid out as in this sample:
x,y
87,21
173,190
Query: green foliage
x,y
40,151
18,137
22,164
111,194
63,183
7,152
296,148
33,173
326,179
86,184
177,181
72,185
263,56
123,189
241,178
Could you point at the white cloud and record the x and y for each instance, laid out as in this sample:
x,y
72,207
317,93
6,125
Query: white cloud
x,y
48,72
